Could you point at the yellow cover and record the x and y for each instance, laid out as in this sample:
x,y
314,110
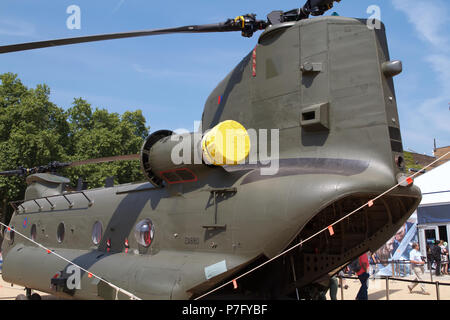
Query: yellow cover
x,y
228,143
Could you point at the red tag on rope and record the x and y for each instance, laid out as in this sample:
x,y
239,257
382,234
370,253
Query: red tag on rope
x,y
89,275
409,180
330,230
48,251
235,285
370,203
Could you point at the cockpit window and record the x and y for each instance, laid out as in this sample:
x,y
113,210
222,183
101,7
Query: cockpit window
x,y
9,234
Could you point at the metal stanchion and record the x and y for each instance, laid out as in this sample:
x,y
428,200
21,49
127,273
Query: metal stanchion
x,y
431,273
342,287
387,288
437,291
295,277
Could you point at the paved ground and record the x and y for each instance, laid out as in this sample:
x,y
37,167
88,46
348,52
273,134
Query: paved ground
x,y
8,292
398,290
377,290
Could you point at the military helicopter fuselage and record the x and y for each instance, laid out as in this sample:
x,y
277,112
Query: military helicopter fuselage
x,y
326,85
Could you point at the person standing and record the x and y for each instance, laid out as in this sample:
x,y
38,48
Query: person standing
x,y
436,252
429,257
444,257
374,261
333,288
363,276
417,264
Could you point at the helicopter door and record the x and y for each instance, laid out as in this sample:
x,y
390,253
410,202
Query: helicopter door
x,y
275,79
274,63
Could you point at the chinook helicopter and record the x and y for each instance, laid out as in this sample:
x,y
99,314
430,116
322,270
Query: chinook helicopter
x,y
325,86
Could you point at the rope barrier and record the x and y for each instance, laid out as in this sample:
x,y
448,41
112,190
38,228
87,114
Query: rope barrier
x,y
399,279
90,274
408,180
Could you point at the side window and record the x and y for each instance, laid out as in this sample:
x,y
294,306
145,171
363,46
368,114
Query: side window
x,y
60,232
9,234
33,232
144,232
97,232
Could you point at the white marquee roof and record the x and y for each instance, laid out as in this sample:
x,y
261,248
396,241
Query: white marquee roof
x,y
435,185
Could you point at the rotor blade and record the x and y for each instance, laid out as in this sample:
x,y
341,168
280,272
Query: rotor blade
x,y
106,159
11,173
217,27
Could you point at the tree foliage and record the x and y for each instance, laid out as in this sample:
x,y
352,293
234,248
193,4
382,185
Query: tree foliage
x,y
98,133
409,161
34,131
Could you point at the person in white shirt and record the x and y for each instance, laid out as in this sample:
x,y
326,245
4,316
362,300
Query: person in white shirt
x,y
417,265
444,257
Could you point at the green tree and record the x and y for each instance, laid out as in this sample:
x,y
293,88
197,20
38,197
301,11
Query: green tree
x,y
34,131
97,134
409,161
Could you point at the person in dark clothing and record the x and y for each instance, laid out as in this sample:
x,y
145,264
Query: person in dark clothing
x,y
333,288
429,257
436,252
363,276
332,285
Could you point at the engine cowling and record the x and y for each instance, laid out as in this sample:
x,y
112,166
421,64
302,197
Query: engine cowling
x,y
171,158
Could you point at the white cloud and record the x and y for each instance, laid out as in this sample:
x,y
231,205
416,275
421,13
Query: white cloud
x,y
430,19
64,99
175,74
436,109
16,28
117,7
431,117
156,73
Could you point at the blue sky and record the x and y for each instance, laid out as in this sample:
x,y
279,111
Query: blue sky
x,y
170,77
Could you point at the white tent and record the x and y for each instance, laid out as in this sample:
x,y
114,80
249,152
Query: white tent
x,y
435,187
433,213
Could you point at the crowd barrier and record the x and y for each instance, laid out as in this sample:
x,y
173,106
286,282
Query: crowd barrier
x,y
400,268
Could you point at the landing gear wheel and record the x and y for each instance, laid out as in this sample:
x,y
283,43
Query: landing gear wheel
x,y
35,296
